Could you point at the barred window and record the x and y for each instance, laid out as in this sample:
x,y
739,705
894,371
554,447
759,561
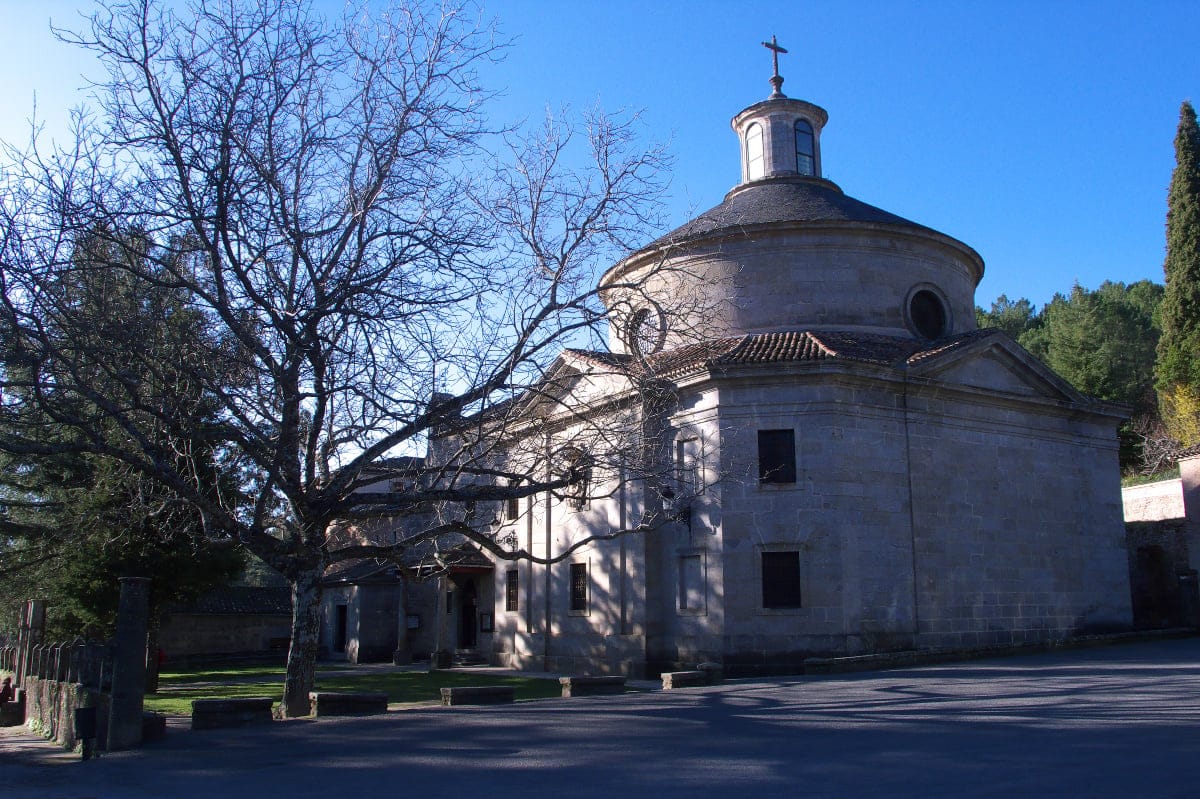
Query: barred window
x,y
579,588
512,590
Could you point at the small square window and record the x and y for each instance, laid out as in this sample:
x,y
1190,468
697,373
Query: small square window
x,y
777,456
781,579
512,584
579,588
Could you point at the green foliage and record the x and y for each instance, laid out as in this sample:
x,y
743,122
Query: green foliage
x,y
75,521
1014,317
1154,477
1178,368
1102,342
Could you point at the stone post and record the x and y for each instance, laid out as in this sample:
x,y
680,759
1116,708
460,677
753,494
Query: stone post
x,y
29,635
129,664
440,658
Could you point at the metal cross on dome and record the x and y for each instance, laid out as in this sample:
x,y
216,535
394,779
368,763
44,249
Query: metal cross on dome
x,y
776,79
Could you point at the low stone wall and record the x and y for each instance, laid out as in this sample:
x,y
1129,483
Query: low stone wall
x,y
1152,502
591,686
900,660
340,703
243,711
477,695
50,707
684,679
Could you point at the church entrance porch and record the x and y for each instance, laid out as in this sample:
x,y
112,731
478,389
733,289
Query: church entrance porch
x,y
465,605
468,617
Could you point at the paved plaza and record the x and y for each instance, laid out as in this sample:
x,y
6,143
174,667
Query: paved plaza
x,y
1120,721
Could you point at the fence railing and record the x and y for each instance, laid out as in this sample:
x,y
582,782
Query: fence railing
x,y
76,661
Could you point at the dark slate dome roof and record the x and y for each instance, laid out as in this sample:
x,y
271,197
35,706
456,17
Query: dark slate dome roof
x,y
782,201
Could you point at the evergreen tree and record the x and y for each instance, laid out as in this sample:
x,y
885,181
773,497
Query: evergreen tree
x,y
1014,317
1103,342
1178,368
73,522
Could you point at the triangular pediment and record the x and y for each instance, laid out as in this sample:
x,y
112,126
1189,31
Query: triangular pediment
x,y
576,380
997,363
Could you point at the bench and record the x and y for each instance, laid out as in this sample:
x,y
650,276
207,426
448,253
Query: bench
x,y
683,679
332,703
477,695
591,686
212,714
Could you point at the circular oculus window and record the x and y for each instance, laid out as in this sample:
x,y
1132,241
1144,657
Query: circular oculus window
x,y
927,313
645,333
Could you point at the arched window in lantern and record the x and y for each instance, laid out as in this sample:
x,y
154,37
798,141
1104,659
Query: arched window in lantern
x,y
755,164
806,158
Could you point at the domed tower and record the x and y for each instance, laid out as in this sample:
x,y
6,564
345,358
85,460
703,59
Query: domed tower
x,y
787,250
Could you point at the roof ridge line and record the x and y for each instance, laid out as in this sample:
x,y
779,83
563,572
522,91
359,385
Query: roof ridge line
x,y
742,343
826,350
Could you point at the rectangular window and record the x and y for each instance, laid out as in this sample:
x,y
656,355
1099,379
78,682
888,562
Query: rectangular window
x,y
687,468
512,509
579,588
781,579
691,582
776,456
511,590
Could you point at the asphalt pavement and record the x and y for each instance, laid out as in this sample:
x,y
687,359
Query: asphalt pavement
x,y
1117,721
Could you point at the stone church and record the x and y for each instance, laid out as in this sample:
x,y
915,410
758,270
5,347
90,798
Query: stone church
x,y
857,467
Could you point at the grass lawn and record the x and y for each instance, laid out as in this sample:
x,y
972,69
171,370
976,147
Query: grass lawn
x,y
178,689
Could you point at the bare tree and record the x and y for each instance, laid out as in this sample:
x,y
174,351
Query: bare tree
x,y
1160,450
378,270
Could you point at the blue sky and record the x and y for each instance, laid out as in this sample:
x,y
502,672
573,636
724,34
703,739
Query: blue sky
x,y
1039,133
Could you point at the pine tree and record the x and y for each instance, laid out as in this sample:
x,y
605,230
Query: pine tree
x,y
1178,367
74,522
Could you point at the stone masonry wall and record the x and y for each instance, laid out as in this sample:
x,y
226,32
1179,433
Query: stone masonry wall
x,y
1007,529
846,515
50,707
1163,582
1017,523
187,634
1153,501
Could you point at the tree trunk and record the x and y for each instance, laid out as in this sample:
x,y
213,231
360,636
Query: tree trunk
x,y
302,654
152,656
